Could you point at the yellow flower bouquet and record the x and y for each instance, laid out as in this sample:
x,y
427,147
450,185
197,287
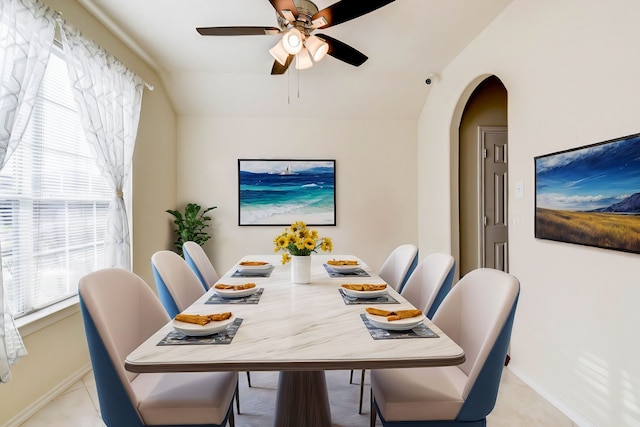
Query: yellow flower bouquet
x,y
298,240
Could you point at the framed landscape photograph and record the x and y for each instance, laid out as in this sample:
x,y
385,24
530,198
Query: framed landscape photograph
x,y
591,195
280,192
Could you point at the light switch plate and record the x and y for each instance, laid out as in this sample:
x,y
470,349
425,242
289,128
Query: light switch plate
x,y
519,189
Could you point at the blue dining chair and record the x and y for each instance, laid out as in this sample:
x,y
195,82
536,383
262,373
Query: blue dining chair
x,y
178,285
430,282
395,271
197,259
120,311
478,315
398,266
426,287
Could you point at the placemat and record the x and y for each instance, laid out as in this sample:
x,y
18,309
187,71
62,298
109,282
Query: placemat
x,y
248,273
223,337
382,299
420,331
356,273
249,299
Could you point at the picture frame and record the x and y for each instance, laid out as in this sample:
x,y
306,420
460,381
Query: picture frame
x,y
282,191
590,195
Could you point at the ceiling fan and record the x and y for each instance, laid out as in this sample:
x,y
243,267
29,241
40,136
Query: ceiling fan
x,y
297,19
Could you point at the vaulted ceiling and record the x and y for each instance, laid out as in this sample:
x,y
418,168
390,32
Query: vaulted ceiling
x,y
406,41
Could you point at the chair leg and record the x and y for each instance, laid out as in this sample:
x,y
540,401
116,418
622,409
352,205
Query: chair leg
x,y
237,398
232,419
351,377
249,378
373,411
361,391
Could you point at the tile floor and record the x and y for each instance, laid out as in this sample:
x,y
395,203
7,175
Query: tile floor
x,y
78,406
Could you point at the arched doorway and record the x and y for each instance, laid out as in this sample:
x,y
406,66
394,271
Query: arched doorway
x,y
482,180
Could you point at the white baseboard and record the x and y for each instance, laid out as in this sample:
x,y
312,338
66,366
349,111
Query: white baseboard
x,y
48,397
570,413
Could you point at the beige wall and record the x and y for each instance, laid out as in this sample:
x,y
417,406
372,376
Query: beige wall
x,y
376,174
58,352
571,70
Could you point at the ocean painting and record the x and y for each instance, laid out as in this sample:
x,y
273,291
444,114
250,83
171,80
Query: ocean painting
x,y
591,195
280,192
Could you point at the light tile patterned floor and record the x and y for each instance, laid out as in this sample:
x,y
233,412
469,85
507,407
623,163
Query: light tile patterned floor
x,y
78,406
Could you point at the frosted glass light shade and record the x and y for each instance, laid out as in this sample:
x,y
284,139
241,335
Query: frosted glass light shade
x,y
303,60
279,53
317,47
292,41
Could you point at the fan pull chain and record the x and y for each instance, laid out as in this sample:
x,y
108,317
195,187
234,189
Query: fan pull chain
x,y
289,85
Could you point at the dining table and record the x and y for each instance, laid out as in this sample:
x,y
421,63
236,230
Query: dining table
x,y
300,330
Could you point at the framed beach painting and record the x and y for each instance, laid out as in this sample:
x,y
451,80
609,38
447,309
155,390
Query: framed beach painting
x,y
280,192
591,195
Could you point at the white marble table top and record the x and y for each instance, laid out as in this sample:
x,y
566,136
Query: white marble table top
x,y
296,327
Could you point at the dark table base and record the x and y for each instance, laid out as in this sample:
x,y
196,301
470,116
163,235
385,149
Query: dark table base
x,y
302,400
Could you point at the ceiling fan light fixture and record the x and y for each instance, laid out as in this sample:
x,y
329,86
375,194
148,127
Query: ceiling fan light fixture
x,y
279,53
292,41
303,60
317,47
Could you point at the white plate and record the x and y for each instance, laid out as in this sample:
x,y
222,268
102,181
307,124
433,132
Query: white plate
x,y
195,330
395,325
256,271
230,293
364,294
254,268
344,268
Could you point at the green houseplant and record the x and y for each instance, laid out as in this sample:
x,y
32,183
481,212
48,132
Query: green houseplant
x,y
191,225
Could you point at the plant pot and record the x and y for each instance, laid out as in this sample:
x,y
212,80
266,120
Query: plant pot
x,y
300,269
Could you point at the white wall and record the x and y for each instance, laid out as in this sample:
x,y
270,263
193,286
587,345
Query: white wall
x,y
572,72
375,179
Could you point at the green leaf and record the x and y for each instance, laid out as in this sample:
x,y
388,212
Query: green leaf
x,y
190,226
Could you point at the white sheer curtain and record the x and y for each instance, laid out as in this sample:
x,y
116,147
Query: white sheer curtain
x,y
109,98
26,36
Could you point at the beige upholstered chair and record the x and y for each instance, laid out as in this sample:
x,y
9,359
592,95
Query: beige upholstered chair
x,y
478,315
177,284
426,287
397,268
197,259
430,282
120,311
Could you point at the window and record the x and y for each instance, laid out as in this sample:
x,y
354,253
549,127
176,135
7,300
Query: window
x,y
53,202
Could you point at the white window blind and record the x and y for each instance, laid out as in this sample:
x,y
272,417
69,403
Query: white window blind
x,y
53,202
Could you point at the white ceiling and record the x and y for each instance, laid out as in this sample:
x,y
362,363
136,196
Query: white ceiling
x,y
230,76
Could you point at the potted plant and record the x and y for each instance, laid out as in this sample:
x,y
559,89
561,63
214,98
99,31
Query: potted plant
x,y
191,226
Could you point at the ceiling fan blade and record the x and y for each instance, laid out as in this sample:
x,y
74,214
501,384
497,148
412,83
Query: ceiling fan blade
x,y
345,10
237,31
281,5
278,68
343,51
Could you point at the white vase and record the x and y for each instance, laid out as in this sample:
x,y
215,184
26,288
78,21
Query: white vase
x,y
300,269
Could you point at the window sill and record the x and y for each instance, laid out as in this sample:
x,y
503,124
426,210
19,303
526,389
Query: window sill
x,y
47,316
